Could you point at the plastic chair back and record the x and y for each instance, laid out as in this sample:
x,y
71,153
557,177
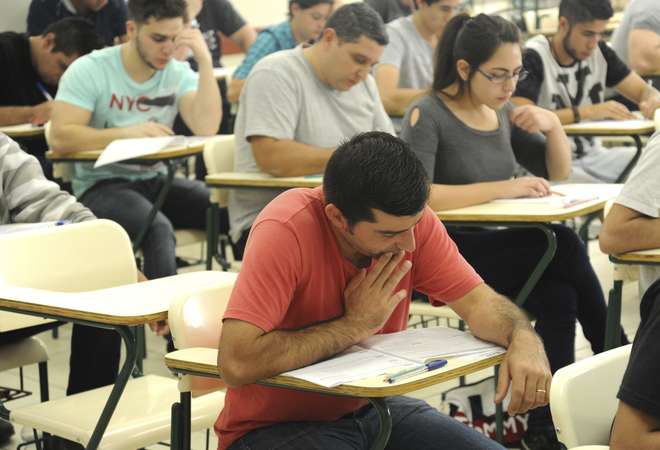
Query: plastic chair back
x,y
219,157
196,321
583,397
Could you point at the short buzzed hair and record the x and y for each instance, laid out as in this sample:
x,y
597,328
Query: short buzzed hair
x,y
140,11
581,11
355,20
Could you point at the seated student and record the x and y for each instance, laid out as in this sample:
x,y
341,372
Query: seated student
x,y
298,105
32,67
637,38
130,91
633,223
568,73
637,419
326,268
391,10
462,132
215,18
306,21
405,71
108,16
27,197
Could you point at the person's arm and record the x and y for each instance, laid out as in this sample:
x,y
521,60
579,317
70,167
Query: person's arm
x,y
234,90
644,51
244,37
636,89
29,196
494,318
70,131
247,353
395,99
263,46
37,115
626,230
288,158
533,119
634,430
201,110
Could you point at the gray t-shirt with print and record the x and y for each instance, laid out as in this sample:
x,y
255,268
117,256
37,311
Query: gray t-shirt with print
x,y
640,14
642,194
284,99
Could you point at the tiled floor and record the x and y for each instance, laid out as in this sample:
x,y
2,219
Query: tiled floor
x,y
59,352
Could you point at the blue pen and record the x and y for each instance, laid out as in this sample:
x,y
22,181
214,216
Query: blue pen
x,y
44,91
407,373
62,222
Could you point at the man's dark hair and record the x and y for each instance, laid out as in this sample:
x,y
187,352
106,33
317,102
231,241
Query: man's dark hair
x,y
74,36
141,11
306,4
375,170
580,11
355,20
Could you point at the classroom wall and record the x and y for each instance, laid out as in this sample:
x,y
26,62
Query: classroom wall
x,y
13,15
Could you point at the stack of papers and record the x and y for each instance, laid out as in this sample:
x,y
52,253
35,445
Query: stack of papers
x,y
124,149
552,200
384,353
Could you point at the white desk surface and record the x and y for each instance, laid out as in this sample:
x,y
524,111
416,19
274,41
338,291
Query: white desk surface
x,y
203,361
93,155
260,180
536,212
611,128
22,130
132,304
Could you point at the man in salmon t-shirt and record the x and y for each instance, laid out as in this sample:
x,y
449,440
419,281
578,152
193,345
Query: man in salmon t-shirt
x,y
325,269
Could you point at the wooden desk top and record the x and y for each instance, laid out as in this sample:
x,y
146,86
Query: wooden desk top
x,y
641,256
132,304
22,130
260,180
642,127
535,212
203,361
92,155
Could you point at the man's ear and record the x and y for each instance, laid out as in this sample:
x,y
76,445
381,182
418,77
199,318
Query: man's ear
x,y
328,36
131,29
48,42
563,24
336,217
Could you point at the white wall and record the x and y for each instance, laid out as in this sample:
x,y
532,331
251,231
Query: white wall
x,y
13,15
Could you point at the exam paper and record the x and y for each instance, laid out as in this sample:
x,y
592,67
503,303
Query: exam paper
x,y
605,125
124,149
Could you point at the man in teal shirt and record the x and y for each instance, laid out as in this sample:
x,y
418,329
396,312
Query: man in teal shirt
x,y
131,91
306,21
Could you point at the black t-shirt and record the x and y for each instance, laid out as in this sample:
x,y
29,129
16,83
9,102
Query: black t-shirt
x,y
218,16
640,387
18,78
533,64
110,21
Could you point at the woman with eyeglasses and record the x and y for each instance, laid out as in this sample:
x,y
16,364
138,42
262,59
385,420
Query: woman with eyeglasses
x,y
462,132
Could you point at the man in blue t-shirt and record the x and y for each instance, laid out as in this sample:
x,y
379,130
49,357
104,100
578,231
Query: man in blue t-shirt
x,y
135,90
108,16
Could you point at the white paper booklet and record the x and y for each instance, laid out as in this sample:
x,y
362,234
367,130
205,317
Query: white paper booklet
x,y
385,352
22,227
124,149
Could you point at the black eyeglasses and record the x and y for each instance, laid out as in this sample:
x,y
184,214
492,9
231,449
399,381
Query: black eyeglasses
x,y
501,79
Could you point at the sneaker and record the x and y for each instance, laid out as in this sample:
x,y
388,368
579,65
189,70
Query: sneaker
x,y
6,431
542,438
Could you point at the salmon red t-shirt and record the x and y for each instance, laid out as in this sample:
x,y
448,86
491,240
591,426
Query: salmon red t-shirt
x,y
293,275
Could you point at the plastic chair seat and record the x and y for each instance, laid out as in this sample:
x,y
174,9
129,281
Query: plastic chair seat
x,y
142,416
22,353
189,236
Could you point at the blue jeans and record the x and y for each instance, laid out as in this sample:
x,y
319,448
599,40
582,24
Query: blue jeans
x,y
415,425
